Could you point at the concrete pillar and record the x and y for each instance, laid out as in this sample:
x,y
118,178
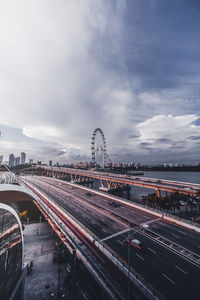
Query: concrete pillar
x,y
166,194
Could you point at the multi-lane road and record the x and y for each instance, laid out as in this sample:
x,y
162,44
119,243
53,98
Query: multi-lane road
x,y
170,261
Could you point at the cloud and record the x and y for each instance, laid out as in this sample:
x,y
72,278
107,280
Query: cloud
x,y
194,138
43,133
68,67
167,131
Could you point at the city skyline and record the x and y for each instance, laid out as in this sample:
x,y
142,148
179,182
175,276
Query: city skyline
x,y
128,67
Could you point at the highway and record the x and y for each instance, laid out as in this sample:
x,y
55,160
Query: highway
x,y
170,261
151,183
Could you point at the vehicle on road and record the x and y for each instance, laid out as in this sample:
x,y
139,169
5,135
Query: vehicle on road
x,y
88,194
135,244
114,204
145,226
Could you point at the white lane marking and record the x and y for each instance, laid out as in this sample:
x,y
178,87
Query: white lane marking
x,y
176,236
104,230
93,222
182,232
169,278
120,242
154,226
151,250
181,269
140,256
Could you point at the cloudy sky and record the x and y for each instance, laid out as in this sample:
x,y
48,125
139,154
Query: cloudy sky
x,y
130,67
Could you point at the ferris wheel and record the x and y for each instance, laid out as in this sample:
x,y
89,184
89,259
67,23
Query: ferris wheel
x,y
98,148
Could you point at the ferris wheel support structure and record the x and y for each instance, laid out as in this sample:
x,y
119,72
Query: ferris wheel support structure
x,y
103,148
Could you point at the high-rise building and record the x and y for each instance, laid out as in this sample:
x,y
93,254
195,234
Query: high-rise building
x,y
23,158
50,163
17,161
30,161
11,254
11,162
1,159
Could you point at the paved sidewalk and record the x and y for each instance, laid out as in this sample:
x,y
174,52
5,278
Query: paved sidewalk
x,y
42,281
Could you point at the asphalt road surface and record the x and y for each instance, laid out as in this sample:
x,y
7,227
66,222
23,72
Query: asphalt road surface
x,y
166,262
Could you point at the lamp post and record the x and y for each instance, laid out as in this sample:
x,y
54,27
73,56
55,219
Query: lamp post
x,y
128,261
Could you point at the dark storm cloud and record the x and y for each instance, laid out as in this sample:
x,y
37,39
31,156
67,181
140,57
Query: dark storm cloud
x,y
162,43
130,67
193,138
163,140
197,122
51,151
144,144
133,136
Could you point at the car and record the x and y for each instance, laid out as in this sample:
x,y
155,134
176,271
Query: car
x,y
88,194
113,203
135,244
145,226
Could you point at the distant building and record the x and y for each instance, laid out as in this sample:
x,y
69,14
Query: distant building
x,y
11,162
30,161
109,165
38,163
171,165
23,158
117,165
11,254
17,161
1,159
137,165
82,165
50,163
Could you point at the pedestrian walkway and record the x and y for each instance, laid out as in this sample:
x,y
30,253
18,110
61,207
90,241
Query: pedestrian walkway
x,y
42,280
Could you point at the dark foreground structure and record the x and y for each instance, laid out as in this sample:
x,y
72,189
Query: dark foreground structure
x,y
11,255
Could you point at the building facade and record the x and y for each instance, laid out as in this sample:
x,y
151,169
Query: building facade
x,y
11,160
17,161
23,158
11,254
1,159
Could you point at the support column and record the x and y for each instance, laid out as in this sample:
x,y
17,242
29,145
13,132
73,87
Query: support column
x,y
109,183
101,181
158,193
165,194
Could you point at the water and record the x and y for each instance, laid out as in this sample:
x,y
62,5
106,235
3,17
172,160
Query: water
x,y
137,192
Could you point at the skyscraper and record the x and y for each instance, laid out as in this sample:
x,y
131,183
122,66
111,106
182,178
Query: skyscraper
x,y
17,161
1,159
23,158
11,160
30,161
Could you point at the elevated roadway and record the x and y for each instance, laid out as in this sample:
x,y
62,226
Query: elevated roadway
x,y
170,262
109,180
